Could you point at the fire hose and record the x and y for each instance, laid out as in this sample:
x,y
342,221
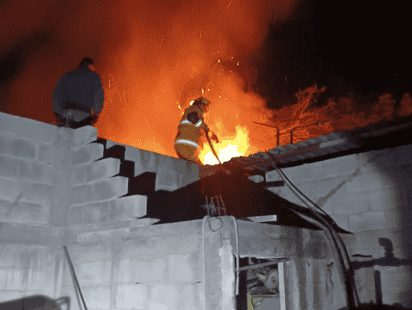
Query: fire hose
x,y
211,145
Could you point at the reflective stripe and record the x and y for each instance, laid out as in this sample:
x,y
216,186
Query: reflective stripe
x,y
184,141
199,123
186,121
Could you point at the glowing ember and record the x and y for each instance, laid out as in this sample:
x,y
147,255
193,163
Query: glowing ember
x,y
227,148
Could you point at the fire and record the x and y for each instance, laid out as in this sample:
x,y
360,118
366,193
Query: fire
x,y
227,148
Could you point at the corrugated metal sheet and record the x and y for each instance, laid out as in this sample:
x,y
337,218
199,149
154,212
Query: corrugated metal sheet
x,y
314,147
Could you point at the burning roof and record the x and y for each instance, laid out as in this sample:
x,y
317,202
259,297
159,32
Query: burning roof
x,y
329,145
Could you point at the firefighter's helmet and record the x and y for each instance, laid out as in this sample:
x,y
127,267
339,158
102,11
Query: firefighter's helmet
x,y
202,100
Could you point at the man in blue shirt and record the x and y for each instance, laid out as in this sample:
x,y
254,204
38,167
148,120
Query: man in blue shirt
x,y
78,96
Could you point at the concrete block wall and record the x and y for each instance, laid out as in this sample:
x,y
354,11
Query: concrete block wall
x,y
171,173
369,195
26,170
27,270
155,267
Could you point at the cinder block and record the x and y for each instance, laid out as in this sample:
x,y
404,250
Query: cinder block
x,y
341,165
144,160
81,194
78,175
326,187
84,135
13,190
124,268
34,171
8,166
95,273
342,220
168,181
131,296
153,305
17,147
16,279
29,213
326,203
5,210
355,203
191,298
87,154
44,153
10,189
91,253
166,295
128,207
38,193
75,215
11,295
103,169
394,278
7,256
371,180
388,199
148,270
375,160
111,188
311,171
97,297
27,128
3,278
367,221
96,212
150,161
169,164
37,278
395,219
184,268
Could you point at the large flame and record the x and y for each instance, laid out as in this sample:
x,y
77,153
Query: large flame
x,y
227,148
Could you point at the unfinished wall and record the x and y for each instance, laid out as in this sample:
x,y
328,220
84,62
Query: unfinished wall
x,y
154,267
27,259
367,194
60,186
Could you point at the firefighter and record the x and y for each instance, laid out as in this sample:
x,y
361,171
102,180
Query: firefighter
x,y
189,139
78,96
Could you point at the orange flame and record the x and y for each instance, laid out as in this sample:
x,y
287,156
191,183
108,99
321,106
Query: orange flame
x,y
227,148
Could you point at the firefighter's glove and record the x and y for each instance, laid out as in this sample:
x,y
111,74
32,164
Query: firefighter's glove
x,y
214,138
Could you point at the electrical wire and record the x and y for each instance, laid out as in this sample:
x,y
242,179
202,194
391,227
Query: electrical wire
x,y
237,254
333,237
204,259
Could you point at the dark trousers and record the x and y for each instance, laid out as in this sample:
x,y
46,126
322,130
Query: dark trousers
x,y
67,122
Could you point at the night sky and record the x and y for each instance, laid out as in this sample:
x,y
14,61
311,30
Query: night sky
x,y
351,49
151,52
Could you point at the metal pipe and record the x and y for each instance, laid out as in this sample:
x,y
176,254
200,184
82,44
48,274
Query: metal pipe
x,y
74,275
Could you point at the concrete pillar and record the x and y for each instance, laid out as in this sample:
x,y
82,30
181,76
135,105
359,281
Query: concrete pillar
x,y
62,161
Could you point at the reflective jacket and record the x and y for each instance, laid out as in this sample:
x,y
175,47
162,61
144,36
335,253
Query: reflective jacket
x,y
82,88
191,133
